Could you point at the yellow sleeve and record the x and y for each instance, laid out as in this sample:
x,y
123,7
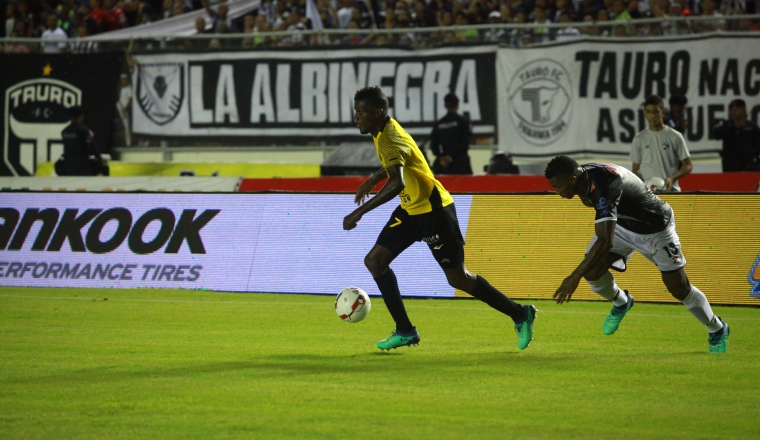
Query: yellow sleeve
x,y
392,148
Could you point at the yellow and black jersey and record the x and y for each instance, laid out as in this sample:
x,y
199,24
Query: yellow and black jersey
x,y
422,193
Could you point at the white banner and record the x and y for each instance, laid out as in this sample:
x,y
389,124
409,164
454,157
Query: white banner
x,y
307,94
586,96
276,243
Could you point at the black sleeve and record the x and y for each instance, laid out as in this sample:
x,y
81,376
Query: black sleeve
x,y
435,142
719,131
606,206
92,149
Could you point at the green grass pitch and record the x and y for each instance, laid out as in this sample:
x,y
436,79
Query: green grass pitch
x,y
169,364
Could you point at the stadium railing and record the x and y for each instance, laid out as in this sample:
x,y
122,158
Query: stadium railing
x,y
414,38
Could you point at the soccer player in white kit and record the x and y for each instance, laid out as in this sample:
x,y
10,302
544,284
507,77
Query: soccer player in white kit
x,y
629,217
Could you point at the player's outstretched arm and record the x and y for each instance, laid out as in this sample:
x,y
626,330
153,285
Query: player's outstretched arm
x,y
605,232
366,188
391,189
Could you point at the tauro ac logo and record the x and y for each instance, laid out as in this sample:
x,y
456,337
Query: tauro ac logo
x,y
36,111
539,101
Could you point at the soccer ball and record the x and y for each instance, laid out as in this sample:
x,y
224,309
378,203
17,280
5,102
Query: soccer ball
x,y
352,304
656,184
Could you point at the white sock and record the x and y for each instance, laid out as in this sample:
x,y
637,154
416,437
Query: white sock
x,y
696,303
606,287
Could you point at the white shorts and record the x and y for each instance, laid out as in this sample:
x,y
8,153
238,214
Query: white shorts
x,y
663,248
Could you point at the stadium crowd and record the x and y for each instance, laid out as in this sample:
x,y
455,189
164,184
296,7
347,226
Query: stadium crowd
x,y
76,19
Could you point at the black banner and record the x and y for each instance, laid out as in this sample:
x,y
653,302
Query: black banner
x,y
296,95
38,89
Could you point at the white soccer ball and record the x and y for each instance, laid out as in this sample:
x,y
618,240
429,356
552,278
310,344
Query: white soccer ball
x,y
656,184
352,304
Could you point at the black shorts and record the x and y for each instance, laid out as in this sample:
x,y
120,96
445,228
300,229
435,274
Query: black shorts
x,y
439,229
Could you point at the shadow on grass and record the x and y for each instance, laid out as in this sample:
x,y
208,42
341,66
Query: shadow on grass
x,y
295,365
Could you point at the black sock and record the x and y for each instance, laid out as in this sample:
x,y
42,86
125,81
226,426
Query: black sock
x,y
485,292
388,285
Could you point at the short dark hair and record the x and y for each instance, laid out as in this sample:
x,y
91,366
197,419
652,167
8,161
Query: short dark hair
x,y
737,103
561,166
654,100
75,111
451,99
677,100
373,96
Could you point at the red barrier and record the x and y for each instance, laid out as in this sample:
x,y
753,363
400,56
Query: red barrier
x,y
721,182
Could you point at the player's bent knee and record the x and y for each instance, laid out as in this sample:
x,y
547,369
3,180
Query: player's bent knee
x,y
374,265
458,282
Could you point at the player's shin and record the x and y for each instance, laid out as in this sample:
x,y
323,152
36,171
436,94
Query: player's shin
x,y
388,285
606,287
696,303
485,292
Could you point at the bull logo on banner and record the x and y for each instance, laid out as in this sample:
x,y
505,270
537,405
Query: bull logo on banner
x,y
160,90
36,112
539,98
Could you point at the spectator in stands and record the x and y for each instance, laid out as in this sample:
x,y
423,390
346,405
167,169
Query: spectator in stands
x,y
403,21
622,15
495,34
565,6
570,31
167,8
676,117
79,46
178,9
540,33
519,37
590,28
66,17
198,43
262,25
717,24
345,11
114,17
466,33
10,18
220,20
603,15
450,140
36,28
53,32
424,15
16,47
741,139
95,14
293,22
131,10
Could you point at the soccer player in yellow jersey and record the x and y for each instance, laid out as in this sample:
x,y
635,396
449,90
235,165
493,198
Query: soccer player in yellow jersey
x,y
426,214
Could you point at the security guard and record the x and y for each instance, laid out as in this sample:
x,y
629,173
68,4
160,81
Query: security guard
x,y
80,155
450,140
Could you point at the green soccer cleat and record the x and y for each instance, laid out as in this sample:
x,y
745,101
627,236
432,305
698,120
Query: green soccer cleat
x,y
612,322
398,340
524,330
719,340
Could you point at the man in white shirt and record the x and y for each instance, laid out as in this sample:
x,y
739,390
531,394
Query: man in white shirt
x,y
660,151
53,32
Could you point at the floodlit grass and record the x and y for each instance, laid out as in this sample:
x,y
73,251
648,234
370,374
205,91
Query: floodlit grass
x,y
181,364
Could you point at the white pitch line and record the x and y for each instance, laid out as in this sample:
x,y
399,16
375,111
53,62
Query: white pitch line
x,y
408,304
